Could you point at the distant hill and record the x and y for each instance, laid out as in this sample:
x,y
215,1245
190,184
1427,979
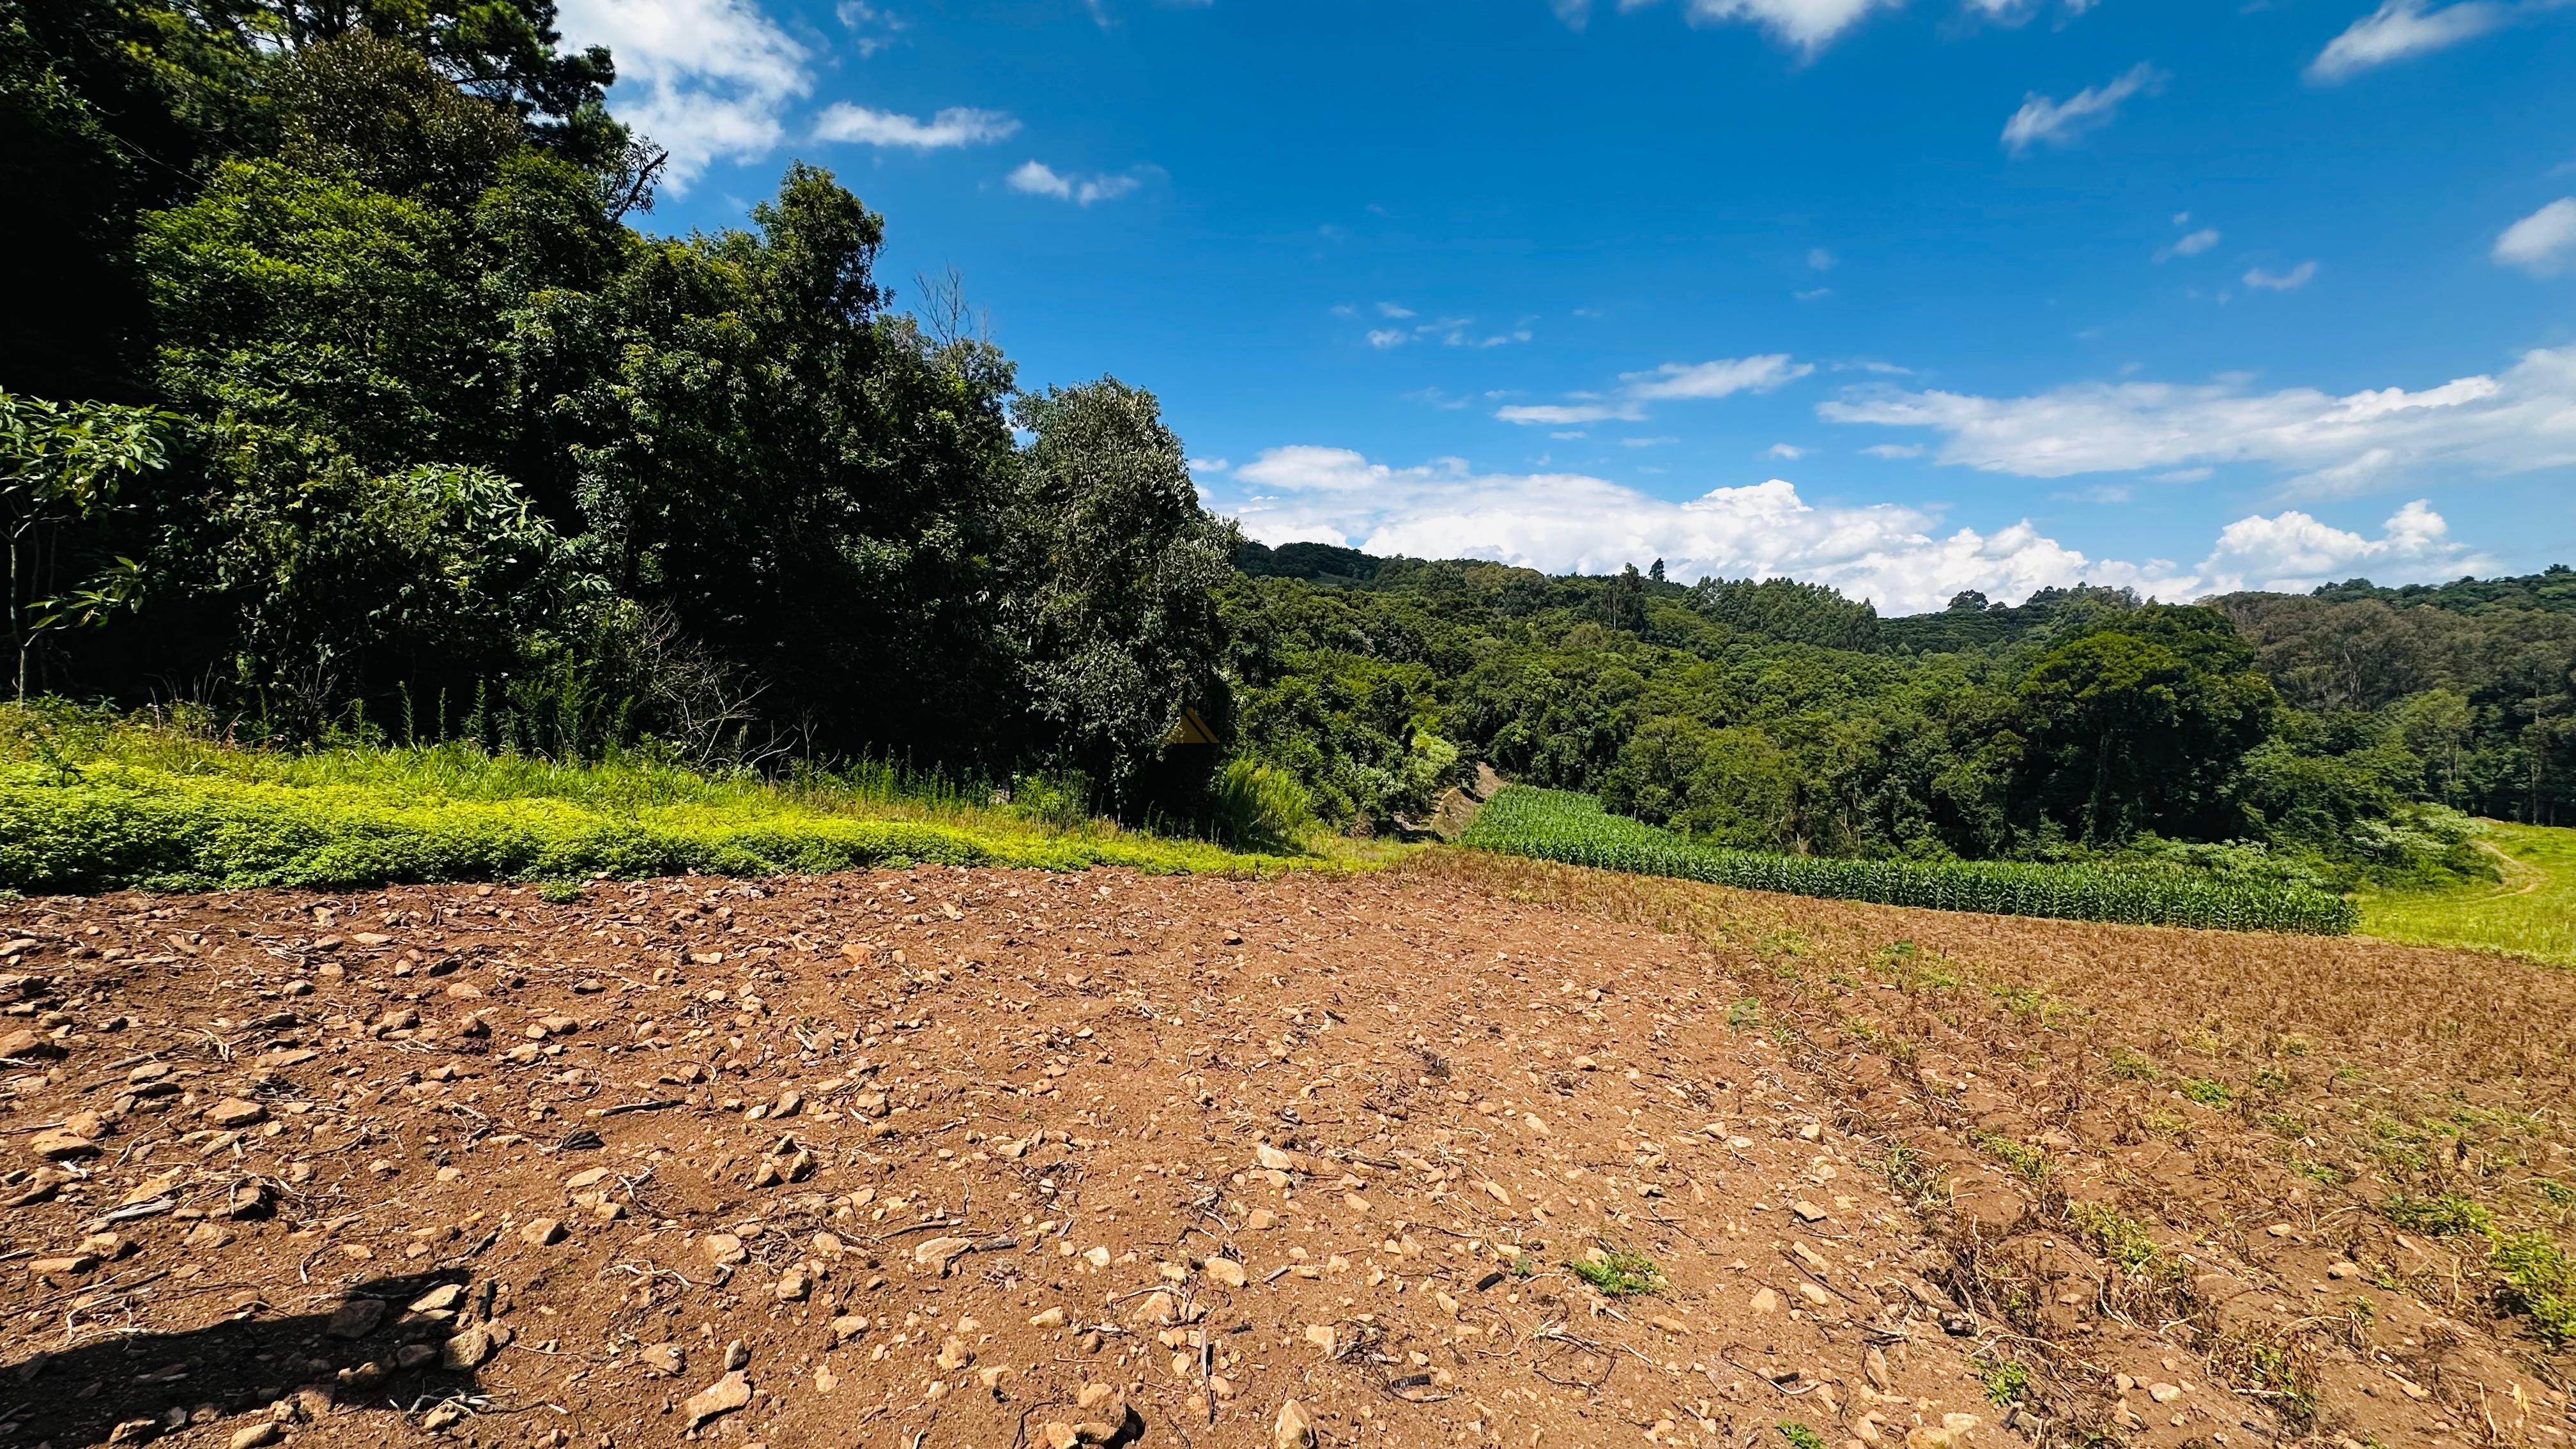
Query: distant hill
x,y
2552,590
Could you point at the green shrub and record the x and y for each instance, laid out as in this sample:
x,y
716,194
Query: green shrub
x,y
1562,826
1258,804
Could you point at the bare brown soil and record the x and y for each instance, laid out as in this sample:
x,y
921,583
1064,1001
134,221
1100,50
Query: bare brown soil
x,y
997,1158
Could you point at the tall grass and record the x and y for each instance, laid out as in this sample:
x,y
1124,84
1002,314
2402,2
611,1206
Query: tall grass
x,y
91,801
2531,912
1561,826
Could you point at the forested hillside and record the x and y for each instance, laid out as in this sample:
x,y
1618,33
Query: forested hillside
x,y
2341,732
353,394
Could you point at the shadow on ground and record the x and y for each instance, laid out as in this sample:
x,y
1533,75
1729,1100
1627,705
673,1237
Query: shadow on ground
x,y
389,1344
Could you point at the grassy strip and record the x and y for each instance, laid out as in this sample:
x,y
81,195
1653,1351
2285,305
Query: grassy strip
x,y
1572,829
90,804
2531,913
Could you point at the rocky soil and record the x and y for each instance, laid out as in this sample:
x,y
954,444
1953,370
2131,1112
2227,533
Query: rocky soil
x,y
982,1158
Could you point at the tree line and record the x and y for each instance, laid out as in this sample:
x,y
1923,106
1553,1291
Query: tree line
x,y
348,392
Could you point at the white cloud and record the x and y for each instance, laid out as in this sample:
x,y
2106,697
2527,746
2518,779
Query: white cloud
x,y
2015,12
1670,382
1036,178
2542,243
2189,246
1895,450
2059,123
1820,259
707,79
1722,378
1558,415
1790,451
1575,13
1389,309
1208,465
2521,421
1813,294
1902,558
2399,29
1807,24
873,26
1384,337
2289,281
956,126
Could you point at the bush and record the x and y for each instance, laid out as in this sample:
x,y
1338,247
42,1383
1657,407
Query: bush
x,y
1256,804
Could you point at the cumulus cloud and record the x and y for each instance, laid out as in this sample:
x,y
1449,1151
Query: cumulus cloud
x,y
707,79
1036,178
956,126
1807,24
2542,243
1903,558
2522,420
1671,382
2060,123
2400,29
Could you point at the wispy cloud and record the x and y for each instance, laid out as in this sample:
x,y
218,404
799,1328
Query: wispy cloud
x,y
2543,243
953,127
2189,245
2061,123
1809,25
1036,178
2402,29
1671,382
2289,281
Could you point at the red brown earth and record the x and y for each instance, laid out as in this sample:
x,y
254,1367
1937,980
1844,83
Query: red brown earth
x,y
998,1158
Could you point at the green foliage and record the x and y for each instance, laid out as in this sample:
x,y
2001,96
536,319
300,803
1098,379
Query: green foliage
x,y
1800,1436
2538,1282
62,464
2206,1092
2028,1162
1259,805
1558,825
1618,1271
2006,1380
2441,1214
1787,609
2531,911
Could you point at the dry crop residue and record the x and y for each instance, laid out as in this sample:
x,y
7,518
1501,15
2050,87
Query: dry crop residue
x,y
984,1158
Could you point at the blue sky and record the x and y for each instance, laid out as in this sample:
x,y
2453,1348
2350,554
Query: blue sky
x,y
1907,296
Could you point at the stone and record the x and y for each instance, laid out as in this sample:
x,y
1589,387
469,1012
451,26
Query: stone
x,y
32,1046
1807,1212
1048,1318
795,1286
67,1266
954,1354
2163,1393
848,1326
1227,1271
235,1112
541,1232
1321,1335
663,1359
717,1400
251,1436
466,1351
356,1318
441,1299
737,1355
59,1145
722,1249
442,1416
1292,1429
1766,1301
940,1252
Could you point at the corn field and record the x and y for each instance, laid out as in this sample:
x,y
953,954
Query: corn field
x,y
1572,829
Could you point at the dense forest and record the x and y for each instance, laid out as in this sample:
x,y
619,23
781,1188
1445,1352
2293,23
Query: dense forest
x,y
359,399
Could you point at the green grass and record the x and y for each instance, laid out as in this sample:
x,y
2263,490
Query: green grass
x,y
91,803
1562,826
2532,912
